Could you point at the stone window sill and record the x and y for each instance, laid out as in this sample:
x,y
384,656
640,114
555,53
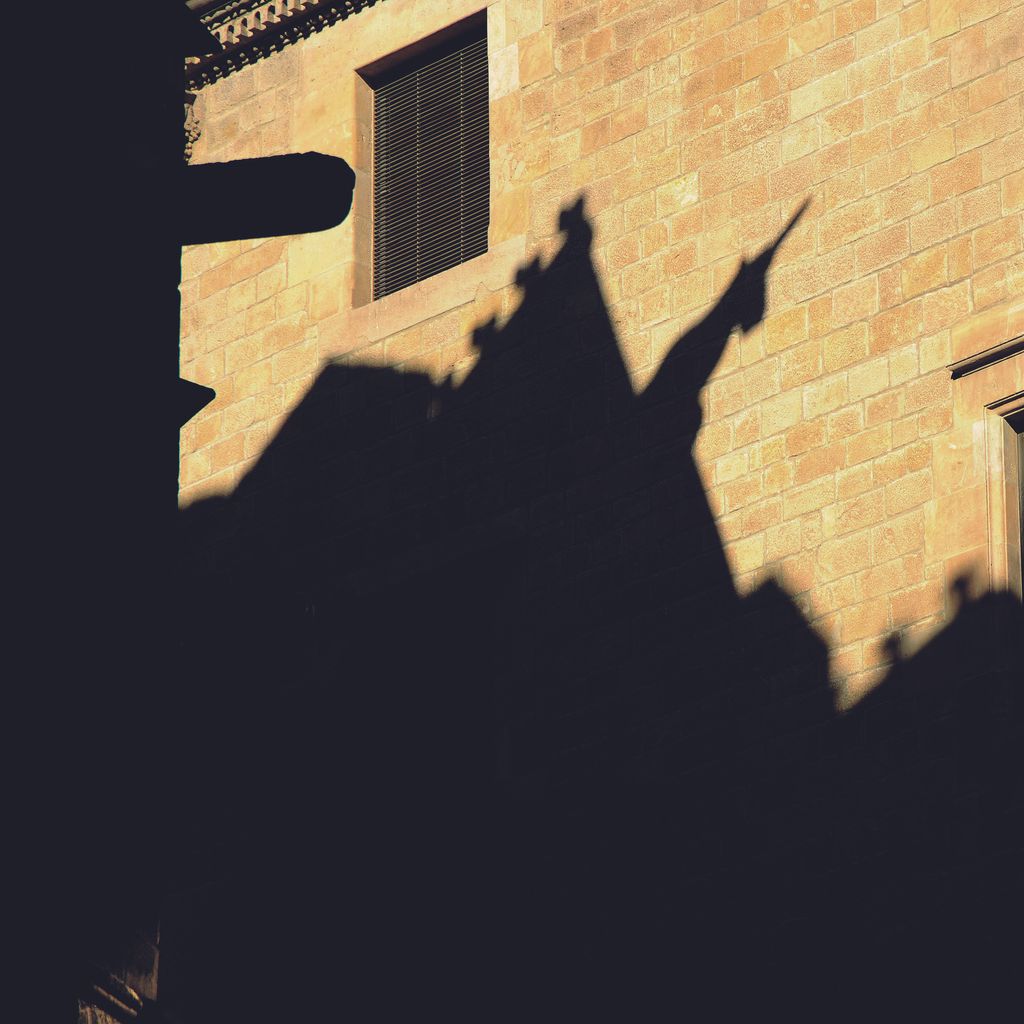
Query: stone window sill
x,y
362,326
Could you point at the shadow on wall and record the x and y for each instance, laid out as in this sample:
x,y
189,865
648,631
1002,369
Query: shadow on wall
x,y
471,716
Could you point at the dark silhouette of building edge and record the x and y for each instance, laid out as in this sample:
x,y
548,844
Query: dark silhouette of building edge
x,y
92,557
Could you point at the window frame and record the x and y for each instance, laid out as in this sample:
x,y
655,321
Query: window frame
x,y
1006,501
376,75
983,375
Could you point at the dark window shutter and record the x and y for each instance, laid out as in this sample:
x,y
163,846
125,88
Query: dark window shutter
x,y
431,167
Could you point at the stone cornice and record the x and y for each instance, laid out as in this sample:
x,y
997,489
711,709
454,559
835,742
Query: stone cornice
x,y
981,360
252,29
117,1002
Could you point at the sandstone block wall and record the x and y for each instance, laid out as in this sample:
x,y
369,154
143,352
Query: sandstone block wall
x,y
838,456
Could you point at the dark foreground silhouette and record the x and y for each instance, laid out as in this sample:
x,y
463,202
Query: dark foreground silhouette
x,y
471,720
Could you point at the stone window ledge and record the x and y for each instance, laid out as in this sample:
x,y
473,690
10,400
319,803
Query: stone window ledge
x,y
358,328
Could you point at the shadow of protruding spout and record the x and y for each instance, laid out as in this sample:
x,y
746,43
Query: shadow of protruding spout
x,y
280,195
191,398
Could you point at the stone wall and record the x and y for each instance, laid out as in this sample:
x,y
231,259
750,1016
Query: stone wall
x,y
834,444
627,608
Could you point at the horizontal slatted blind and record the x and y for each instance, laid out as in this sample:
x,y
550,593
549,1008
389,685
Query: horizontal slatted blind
x,y
431,167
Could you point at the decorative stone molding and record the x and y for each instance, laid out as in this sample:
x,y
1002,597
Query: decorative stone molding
x,y
1003,459
249,30
192,129
105,999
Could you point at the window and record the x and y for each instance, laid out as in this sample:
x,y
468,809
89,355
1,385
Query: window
x,y
988,377
1013,483
431,166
